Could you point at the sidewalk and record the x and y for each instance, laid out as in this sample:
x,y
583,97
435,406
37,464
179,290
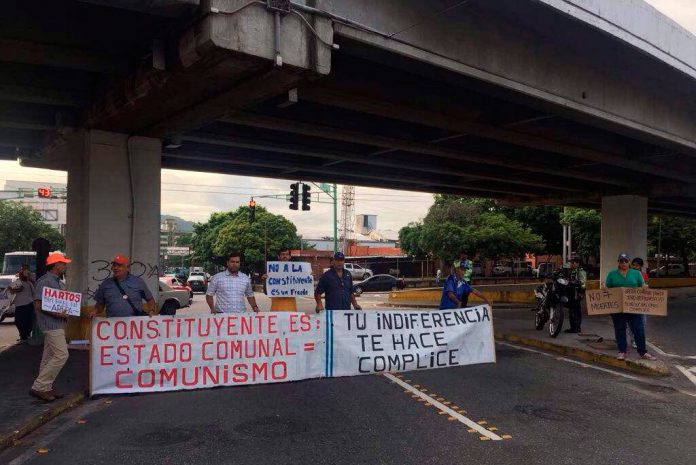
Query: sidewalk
x,y
19,412
515,324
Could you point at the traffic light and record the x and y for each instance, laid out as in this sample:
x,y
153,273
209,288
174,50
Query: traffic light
x,y
294,195
252,210
44,192
306,196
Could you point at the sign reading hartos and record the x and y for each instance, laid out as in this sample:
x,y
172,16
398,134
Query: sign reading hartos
x,y
59,301
289,279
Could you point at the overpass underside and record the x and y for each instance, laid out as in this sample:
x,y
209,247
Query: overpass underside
x,y
514,101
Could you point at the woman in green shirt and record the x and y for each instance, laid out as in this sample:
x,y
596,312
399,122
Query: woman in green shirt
x,y
624,276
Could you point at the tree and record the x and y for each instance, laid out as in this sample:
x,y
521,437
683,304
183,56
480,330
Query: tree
x,y
674,236
455,223
20,225
410,239
184,240
542,220
229,231
586,228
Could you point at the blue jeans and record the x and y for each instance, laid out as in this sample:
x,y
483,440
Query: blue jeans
x,y
637,325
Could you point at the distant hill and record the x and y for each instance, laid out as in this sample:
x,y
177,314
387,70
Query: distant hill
x,y
181,224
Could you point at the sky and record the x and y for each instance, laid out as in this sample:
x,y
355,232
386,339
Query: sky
x,y
194,196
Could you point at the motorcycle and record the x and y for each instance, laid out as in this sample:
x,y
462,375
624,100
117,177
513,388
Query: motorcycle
x,y
552,298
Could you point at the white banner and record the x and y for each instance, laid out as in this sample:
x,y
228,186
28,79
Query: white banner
x,y
142,354
395,341
58,301
289,279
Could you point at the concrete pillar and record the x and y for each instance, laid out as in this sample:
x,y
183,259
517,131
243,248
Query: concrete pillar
x,y
101,208
624,229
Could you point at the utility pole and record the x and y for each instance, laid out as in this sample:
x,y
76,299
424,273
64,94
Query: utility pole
x,y
335,219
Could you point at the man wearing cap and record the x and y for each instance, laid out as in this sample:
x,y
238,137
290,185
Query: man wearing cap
x,y
55,351
337,284
123,293
624,276
456,289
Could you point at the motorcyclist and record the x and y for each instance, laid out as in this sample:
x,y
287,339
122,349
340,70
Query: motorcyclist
x,y
578,279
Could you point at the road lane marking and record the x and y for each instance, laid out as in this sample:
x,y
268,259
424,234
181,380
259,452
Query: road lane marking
x,y
442,407
690,373
667,354
586,365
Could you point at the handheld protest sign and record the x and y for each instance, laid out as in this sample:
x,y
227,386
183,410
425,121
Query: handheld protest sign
x,y
643,301
289,279
59,301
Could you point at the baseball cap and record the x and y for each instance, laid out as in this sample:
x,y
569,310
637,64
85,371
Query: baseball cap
x,y
623,256
57,257
339,256
120,259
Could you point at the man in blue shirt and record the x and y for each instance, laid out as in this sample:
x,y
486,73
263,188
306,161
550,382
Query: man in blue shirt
x,y
455,289
337,284
123,293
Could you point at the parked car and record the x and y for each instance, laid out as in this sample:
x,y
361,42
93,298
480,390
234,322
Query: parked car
x,y
7,308
477,269
544,270
174,283
356,271
502,269
673,269
378,282
170,300
197,281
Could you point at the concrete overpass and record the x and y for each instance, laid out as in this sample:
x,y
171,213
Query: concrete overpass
x,y
569,102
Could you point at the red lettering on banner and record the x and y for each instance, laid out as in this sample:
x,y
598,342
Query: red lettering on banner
x,y
138,352
170,353
208,375
141,375
272,327
119,384
168,376
120,330
99,327
103,356
204,355
240,374
192,382
154,355
185,352
152,329
123,352
260,369
279,374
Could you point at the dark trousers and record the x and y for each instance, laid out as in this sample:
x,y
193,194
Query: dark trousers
x,y
24,320
575,315
465,299
633,321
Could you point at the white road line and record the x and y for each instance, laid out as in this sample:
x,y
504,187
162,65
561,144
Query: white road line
x,y
471,424
587,365
688,372
667,354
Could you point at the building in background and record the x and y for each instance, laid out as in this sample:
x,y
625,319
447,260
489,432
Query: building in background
x,y
48,199
169,232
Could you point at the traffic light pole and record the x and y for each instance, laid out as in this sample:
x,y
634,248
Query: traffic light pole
x,y
335,212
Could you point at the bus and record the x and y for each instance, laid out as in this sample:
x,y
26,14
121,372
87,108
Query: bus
x,y
13,262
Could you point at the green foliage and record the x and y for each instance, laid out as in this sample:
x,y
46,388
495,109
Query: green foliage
x,y
585,226
674,236
228,231
410,238
185,240
20,225
542,220
455,223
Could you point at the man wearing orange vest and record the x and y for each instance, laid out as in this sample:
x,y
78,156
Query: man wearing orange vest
x,y
55,351
281,304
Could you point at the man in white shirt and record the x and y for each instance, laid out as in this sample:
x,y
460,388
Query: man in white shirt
x,y
227,289
23,290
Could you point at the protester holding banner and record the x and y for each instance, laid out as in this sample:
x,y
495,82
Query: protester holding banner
x,y
281,304
123,293
227,289
23,290
624,276
456,289
52,324
337,284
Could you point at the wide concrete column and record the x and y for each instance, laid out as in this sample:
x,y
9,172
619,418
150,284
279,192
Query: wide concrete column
x,y
624,229
105,217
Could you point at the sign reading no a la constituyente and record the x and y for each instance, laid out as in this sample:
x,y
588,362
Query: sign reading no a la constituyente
x,y
289,279
59,301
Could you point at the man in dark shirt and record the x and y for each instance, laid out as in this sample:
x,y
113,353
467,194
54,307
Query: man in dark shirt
x,y
123,293
337,284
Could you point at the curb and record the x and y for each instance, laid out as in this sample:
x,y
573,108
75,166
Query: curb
x,y
586,355
11,438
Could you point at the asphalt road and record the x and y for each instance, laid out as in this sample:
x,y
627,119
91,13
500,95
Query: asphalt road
x,y
555,412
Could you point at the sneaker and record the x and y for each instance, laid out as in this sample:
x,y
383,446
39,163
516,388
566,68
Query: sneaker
x,y
634,345
648,356
43,395
621,356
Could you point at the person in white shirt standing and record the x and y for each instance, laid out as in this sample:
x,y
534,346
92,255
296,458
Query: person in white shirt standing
x,y
227,289
23,290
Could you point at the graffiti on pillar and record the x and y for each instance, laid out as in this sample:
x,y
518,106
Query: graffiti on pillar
x,y
139,269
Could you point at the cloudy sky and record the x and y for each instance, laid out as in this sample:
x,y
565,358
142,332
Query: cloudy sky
x,y
194,196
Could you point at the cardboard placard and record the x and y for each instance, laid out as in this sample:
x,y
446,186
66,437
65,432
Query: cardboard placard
x,y
627,300
59,301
